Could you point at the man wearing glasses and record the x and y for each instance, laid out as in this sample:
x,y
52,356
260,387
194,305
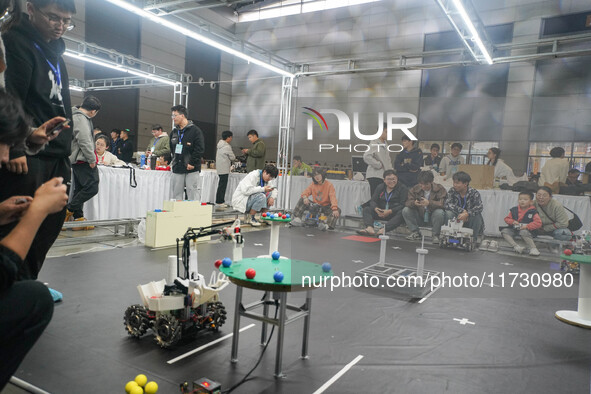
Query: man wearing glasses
x,y
36,74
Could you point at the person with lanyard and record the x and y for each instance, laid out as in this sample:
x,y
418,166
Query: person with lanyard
x,y
36,74
386,204
159,144
464,204
187,147
256,192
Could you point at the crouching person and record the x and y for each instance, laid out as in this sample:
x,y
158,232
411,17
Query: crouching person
x,y
256,192
323,194
523,221
424,206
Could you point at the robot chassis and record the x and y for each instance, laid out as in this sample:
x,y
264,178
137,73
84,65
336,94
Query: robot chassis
x,y
455,235
187,305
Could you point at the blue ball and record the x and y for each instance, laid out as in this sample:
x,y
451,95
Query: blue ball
x,y
275,255
287,215
226,262
326,267
278,276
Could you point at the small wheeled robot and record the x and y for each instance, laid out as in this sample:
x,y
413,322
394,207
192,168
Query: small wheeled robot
x,y
187,305
455,235
313,217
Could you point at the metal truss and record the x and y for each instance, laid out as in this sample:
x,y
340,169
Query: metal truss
x,y
289,89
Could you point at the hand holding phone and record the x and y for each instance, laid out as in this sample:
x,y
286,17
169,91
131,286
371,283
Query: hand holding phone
x,y
59,127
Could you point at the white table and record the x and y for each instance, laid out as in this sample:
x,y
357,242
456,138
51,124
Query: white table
x,y
117,199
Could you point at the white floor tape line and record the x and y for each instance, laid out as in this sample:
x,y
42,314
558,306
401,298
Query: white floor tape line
x,y
338,375
200,348
27,386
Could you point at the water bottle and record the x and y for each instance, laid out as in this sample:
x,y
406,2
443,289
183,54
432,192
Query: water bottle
x,y
426,216
142,161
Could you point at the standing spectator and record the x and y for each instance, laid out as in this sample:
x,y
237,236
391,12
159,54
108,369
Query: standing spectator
x,y
298,167
105,157
553,215
125,150
523,220
408,162
449,164
83,159
256,192
37,75
465,204
115,142
159,144
386,204
256,154
223,161
424,205
574,187
555,170
323,194
187,146
378,160
434,159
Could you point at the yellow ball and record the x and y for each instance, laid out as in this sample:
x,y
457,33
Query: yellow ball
x,y
131,384
151,388
136,390
141,380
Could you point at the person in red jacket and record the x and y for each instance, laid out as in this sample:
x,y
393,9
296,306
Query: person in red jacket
x,y
523,220
323,194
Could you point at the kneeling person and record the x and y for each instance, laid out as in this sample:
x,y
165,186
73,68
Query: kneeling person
x,y
256,192
424,205
386,204
524,221
323,194
464,204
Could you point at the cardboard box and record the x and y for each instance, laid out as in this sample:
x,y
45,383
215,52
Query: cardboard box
x,y
163,228
483,176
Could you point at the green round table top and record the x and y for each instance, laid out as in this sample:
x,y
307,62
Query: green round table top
x,y
577,258
293,271
269,219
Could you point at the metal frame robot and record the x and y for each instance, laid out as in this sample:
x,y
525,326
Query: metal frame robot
x,y
187,305
455,235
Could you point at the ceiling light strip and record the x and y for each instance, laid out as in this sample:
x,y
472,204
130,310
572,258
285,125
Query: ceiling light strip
x,y
462,11
186,32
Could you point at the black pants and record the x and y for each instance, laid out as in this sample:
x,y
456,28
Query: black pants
x,y
392,221
220,196
41,169
25,310
86,184
373,185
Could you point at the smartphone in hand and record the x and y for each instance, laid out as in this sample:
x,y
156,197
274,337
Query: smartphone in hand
x,y
59,127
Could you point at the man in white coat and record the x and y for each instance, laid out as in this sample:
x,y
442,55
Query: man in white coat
x,y
256,192
378,160
223,160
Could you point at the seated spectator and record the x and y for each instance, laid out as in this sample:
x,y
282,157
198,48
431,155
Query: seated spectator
x,y
125,152
433,160
523,220
105,157
408,162
464,204
502,170
449,164
323,194
555,170
298,167
574,187
165,159
386,204
256,192
553,215
115,142
424,206
588,168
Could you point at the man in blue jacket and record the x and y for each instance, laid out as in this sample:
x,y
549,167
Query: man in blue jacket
x,y
408,162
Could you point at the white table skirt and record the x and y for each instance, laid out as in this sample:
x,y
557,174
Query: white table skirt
x,y
117,199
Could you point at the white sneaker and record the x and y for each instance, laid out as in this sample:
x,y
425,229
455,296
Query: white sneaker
x,y
484,245
296,222
221,206
254,223
518,249
534,252
435,240
493,246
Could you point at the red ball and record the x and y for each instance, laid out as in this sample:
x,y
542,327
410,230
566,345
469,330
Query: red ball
x,y
264,214
283,217
250,273
568,252
218,263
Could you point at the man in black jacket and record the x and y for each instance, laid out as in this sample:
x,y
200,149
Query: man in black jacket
x,y
408,162
37,75
186,146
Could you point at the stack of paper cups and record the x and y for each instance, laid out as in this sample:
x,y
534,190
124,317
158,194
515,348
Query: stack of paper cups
x,y
172,268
